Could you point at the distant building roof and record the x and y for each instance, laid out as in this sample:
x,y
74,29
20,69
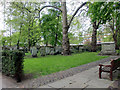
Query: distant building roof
x,y
75,44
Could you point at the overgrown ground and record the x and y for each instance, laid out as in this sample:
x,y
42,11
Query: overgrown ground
x,y
51,64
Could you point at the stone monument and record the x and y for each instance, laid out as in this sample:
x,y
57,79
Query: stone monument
x,y
42,51
34,51
108,48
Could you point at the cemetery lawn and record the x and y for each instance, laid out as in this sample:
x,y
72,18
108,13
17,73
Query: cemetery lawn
x,y
55,63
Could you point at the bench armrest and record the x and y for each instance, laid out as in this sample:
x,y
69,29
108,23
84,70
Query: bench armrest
x,y
105,65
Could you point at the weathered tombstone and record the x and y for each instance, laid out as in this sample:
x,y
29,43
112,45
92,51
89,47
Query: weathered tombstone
x,y
73,49
47,50
108,48
42,51
11,48
34,51
52,51
80,49
58,50
15,47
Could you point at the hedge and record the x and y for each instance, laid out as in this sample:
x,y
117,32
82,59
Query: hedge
x,y
12,63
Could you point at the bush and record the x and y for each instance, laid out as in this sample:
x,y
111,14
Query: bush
x,y
87,46
12,63
74,49
118,52
98,48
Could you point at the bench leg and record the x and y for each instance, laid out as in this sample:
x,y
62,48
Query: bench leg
x,y
111,75
100,73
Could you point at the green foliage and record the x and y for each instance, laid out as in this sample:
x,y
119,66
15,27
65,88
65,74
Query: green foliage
x,y
100,11
108,39
75,39
28,54
115,23
51,28
12,63
51,64
118,52
23,23
29,28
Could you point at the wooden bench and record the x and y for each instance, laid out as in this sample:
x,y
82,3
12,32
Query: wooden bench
x,y
115,63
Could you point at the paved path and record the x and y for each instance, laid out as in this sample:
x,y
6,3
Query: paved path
x,y
85,79
84,76
116,84
7,82
0,81
43,80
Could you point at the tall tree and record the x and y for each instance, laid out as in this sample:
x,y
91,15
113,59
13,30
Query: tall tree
x,y
66,24
115,24
51,28
99,13
23,21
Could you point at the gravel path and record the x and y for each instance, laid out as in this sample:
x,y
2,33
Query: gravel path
x,y
115,85
43,80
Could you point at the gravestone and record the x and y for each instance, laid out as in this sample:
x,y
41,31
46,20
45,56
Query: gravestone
x,y
58,50
108,48
80,49
34,51
74,49
47,50
42,51
52,51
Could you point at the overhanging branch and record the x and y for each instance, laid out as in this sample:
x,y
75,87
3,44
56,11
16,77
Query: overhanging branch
x,y
82,11
98,24
49,6
22,7
76,13
45,7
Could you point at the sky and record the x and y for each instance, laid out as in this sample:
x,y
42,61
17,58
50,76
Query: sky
x,y
1,18
71,7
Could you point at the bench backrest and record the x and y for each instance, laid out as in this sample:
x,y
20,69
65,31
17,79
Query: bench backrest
x,y
115,63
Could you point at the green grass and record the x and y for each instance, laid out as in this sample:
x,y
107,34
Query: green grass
x,y
27,54
51,64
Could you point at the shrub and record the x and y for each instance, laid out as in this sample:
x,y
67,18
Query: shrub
x,y
12,63
98,48
118,52
87,46
74,49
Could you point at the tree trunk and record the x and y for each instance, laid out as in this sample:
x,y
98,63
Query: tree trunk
x,y
46,44
65,42
115,33
115,40
119,38
18,42
56,35
29,43
94,37
10,35
55,39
